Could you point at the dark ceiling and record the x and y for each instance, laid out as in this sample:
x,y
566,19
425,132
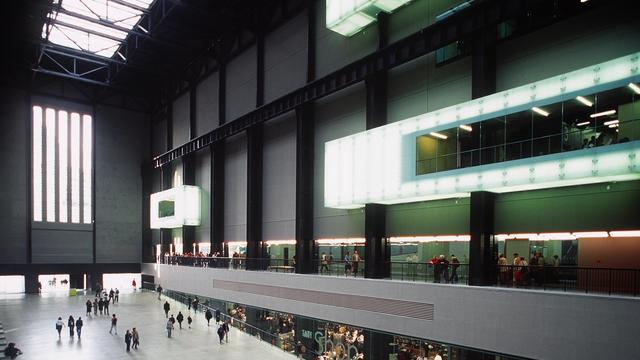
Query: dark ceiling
x,y
185,37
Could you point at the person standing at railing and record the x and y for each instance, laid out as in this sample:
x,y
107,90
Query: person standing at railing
x,y
524,269
455,263
347,264
436,268
517,275
444,268
355,261
324,261
504,269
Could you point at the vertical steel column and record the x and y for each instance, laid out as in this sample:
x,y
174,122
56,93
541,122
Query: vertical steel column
x,y
189,170
217,173
147,187
483,255
305,243
166,235
255,145
255,141
377,255
482,247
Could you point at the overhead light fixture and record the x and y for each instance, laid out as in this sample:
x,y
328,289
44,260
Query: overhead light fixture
x,y
626,233
613,126
438,135
466,127
121,56
584,1
635,88
583,123
591,234
603,113
143,29
611,122
540,111
584,101
280,242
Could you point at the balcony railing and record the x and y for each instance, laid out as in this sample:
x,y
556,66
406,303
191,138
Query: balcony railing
x,y
590,280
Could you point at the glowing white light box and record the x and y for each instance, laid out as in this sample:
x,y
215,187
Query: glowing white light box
x,y
175,207
347,17
379,165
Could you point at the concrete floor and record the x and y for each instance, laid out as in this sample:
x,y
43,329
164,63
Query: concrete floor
x,y
29,321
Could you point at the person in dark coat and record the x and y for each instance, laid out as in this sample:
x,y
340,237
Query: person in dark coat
x,y
95,306
167,307
189,302
221,333
180,318
100,305
71,322
79,325
195,304
189,321
217,316
88,304
127,339
208,316
135,336
11,351
106,306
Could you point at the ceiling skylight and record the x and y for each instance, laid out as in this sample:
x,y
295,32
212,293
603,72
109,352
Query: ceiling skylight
x,y
85,24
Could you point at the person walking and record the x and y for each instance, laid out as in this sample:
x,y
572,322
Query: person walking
x,y
100,305
79,325
167,307
208,316
117,296
195,304
159,290
190,320
88,305
114,324
59,326
218,315
226,330
189,303
135,288
221,333
70,324
95,307
180,318
106,306
169,327
127,339
135,337
111,295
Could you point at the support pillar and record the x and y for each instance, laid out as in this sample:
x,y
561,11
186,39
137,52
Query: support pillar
x,y
217,199
483,64
31,283
147,188
188,178
377,255
483,255
254,198
166,236
306,250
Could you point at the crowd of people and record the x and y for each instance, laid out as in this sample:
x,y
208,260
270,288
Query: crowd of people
x,y
521,272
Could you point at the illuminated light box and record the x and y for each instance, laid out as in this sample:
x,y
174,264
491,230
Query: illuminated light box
x,y
175,207
379,165
347,17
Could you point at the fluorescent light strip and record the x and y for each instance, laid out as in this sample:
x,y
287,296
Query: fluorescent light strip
x,y
611,122
584,101
438,135
591,234
280,242
583,123
466,127
604,113
635,88
540,111
626,233
339,241
613,126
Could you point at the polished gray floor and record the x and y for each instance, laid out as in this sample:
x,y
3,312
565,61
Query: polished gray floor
x,y
30,322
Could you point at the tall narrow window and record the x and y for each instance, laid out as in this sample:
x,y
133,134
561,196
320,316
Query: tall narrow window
x,y
37,163
50,126
75,168
63,141
62,168
86,168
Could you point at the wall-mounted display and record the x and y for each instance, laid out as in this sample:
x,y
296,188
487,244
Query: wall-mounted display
x,y
176,207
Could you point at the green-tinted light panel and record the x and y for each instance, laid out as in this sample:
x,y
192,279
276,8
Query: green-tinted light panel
x,y
348,17
378,165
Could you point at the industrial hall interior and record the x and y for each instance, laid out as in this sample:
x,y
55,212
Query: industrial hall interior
x,y
320,179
